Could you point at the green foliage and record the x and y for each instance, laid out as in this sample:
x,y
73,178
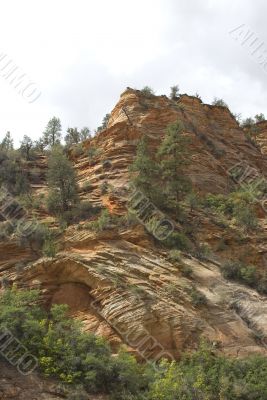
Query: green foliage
x,y
104,124
64,351
62,183
237,205
103,187
85,362
92,153
52,133
7,144
174,92
205,375
178,240
146,172
259,117
202,251
248,122
193,200
39,237
197,297
219,102
174,255
103,222
147,91
26,148
81,211
49,247
74,136
237,270
161,179
174,156
12,174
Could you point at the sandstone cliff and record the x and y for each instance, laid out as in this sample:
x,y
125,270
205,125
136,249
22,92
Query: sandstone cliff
x,y
120,282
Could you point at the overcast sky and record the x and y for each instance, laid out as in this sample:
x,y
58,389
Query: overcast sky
x,y
82,54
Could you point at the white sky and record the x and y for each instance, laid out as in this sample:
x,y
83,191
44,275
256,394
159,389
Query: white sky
x,y
82,54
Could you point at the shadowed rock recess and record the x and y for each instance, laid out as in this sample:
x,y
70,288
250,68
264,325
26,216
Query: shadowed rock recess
x,y
121,281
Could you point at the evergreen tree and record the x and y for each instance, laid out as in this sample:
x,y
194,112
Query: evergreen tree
x,y
61,181
147,171
52,133
85,134
173,157
39,145
26,147
72,136
259,117
147,91
174,92
104,123
7,143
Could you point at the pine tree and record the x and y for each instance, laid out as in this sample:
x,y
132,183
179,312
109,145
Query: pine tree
x,y
72,136
7,143
147,172
52,133
61,181
173,156
174,92
26,147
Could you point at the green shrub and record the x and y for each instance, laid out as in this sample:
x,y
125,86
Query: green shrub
x,y
248,274
210,376
104,220
187,271
174,255
64,351
49,248
202,251
82,211
92,153
197,297
178,240
104,188
237,205
85,362
237,270
231,269
147,91
219,102
245,216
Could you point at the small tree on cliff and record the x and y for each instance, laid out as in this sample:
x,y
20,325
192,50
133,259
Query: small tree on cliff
x,y
26,147
146,172
62,182
174,92
104,123
7,143
147,91
173,156
72,136
52,133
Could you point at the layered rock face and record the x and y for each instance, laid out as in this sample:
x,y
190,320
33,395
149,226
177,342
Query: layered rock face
x,y
121,282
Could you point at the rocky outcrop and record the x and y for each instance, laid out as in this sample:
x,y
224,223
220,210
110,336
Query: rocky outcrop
x,y
120,282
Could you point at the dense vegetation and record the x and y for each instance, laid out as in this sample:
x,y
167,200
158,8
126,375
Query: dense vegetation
x,y
64,351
